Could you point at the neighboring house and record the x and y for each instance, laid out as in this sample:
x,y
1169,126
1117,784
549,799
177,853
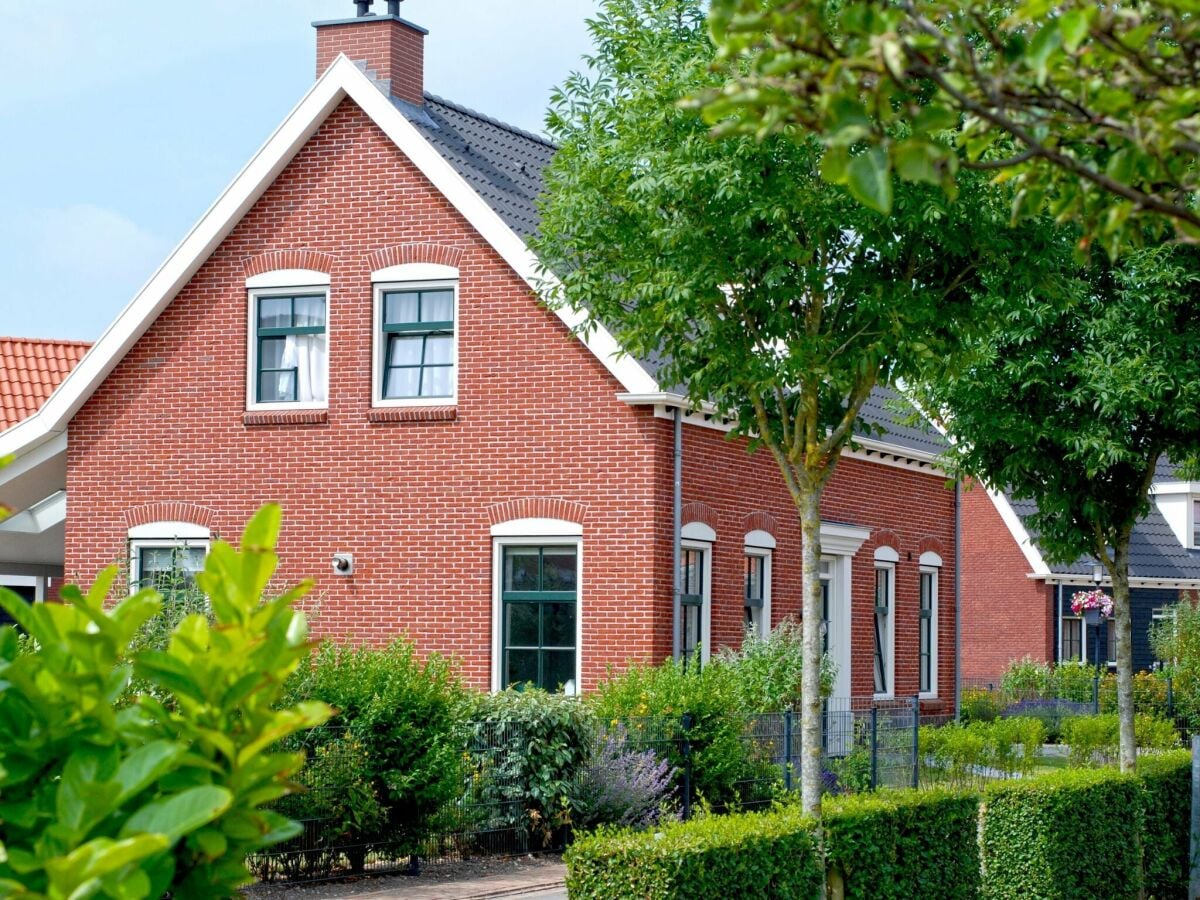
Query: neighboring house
x,y
31,543
352,331
1015,604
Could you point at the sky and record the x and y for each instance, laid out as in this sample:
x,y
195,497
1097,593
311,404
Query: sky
x,y
121,121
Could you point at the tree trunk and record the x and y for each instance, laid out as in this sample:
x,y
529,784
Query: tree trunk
x,y
810,716
1123,630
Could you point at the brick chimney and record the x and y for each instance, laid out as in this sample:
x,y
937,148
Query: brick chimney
x,y
392,47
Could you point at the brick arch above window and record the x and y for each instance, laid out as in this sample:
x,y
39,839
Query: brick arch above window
x,y
885,537
930,544
537,508
697,511
404,254
170,511
298,258
761,521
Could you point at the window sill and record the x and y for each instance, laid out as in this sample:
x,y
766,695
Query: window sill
x,y
286,417
389,415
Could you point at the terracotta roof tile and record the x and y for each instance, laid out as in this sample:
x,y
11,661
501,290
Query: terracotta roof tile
x,y
30,370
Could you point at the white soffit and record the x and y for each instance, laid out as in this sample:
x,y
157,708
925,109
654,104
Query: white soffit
x,y
341,80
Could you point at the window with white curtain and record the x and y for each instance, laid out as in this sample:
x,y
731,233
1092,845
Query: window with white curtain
x,y
290,349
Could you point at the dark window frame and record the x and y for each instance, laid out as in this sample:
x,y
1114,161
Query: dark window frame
x,y
541,599
262,334
394,331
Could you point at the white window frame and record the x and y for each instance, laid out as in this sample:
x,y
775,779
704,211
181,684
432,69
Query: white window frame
x,y
411,277
885,558
542,532
276,284
698,536
182,535
930,564
761,545
37,582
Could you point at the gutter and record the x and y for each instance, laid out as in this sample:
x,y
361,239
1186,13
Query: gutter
x,y
676,533
957,599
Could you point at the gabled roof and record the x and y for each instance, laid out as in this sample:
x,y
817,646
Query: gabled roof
x,y
30,370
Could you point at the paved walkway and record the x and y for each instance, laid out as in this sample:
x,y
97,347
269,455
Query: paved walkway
x,y
540,883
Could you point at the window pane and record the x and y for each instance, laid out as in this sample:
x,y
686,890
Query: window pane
x,y
754,577
1111,641
191,559
691,628
521,569
278,387
437,382
275,312
558,624
521,667
693,572
559,669
400,308
307,352
404,350
882,583
521,628
926,591
558,569
310,312
437,306
403,383
271,353
438,350
1072,639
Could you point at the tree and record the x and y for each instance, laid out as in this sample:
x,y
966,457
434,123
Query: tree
x,y
1090,109
1074,405
768,292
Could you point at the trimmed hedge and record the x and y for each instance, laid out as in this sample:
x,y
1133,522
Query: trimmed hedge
x,y
1166,783
902,845
750,855
1073,834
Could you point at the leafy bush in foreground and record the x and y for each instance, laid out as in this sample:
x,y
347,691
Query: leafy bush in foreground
x,y
106,795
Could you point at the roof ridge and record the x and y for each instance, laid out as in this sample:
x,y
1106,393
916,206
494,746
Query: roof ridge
x,y
38,340
491,120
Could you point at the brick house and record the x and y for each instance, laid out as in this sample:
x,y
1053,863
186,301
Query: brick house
x,y
1016,604
351,331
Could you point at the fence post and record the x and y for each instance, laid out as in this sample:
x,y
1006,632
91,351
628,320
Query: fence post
x,y
686,752
874,747
1194,841
1096,695
787,749
916,725
1170,699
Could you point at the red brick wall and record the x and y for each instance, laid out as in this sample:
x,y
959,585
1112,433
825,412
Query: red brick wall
x,y
394,50
1006,615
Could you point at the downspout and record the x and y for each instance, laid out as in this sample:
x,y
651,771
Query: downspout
x,y
676,527
957,599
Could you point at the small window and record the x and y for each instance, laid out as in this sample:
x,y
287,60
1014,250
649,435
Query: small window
x,y
417,343
540,595
826,577
757,586
1110,640
885,596
290,349
927,632
1196,523
1072,639
691,599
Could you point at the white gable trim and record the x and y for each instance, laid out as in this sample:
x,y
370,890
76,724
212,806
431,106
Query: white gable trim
x,y
341,80
1017,529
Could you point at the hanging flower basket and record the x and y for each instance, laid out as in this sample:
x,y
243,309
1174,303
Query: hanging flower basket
x,y
1093,606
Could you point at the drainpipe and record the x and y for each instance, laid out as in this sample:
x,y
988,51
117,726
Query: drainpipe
x,y
676,526
957,598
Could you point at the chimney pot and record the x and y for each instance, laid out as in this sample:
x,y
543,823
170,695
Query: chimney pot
x,y
391,48
394,7
364,7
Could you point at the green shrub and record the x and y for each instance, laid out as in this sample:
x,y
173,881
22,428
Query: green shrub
x,y
1096,739
748,855
527,748
904,844
1025,678
766,672
405,714
665,693
1066,836
1072,681
979,705
103,794
957,754
1176,643
1166,785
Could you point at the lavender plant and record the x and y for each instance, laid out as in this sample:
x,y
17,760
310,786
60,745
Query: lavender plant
x,y
623,786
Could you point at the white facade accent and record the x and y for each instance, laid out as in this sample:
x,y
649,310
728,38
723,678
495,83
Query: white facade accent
x,y
252,302
704,545
1017,529
842,540
288,278
697,531
537,528
416,272
177,531
379,344
886,554
40,517
931,560
1176,501
760,539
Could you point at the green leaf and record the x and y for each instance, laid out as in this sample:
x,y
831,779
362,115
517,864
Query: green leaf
x,y
1074,27
917,160
181,813
146,765
262,530
869,178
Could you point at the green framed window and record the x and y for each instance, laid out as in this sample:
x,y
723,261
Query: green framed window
x,y
884,596
169,568
291,350
418,343
756,592
540,608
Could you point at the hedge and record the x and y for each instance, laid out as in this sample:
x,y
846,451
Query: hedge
x,y
1073,834
1166,783
749,855
902,845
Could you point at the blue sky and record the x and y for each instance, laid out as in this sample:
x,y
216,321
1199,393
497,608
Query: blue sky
x,y
121,121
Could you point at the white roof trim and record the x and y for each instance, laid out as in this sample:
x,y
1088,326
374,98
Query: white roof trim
x,y
181,531
288,278
886,554
697,531
929,558
1188,584
341,80
1175,487
760,539
1017,529
537,528
40,517
415,272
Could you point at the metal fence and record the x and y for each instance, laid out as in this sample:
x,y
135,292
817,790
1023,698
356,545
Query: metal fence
x,y
634,771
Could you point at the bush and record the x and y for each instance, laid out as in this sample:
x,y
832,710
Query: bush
x,y
527,748
960,754
1051,713
747,855
1096,739
405,714
904,844
1026,678
623,786
1166,785
1149,693
766,672
107,795
1069,835
1072,681
978,705
1176,643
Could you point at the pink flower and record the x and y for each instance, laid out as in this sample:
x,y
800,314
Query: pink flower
x,y
1085,600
